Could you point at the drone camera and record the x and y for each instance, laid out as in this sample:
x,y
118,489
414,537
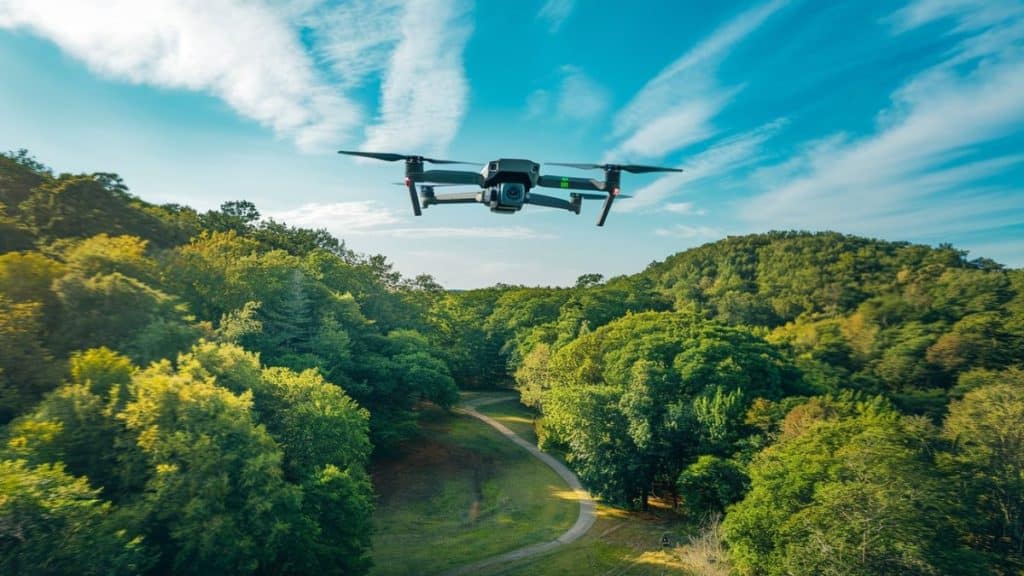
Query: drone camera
x,y
512,193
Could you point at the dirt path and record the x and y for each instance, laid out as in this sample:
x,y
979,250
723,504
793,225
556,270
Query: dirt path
x,y
588,513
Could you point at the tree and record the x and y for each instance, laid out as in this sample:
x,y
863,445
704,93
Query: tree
x,y
237,216
638,398
323,435
711,484
103,254
589,280
27,370
987,432
53,523
122,313
849,494
216,500
27,276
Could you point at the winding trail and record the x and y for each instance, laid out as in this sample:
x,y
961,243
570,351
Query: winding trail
x,y
588,508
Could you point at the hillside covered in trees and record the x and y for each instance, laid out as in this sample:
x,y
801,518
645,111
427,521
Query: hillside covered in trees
x,y
193,393
202,392
852,406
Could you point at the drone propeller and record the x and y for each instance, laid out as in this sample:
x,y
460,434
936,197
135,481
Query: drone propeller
x,y
587,196
432,185
391,157
633,168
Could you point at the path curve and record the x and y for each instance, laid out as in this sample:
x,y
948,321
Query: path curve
x,y
588,508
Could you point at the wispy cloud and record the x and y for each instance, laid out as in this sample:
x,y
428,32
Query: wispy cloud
x,y
676,107
425,92
286,65
245,53
684,209
339,218
689,232
555,12
367,217
715,162
969,14
580,97
920,172
355,38
537,104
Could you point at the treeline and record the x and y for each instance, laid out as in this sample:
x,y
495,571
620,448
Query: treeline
x,y
193,392
852,406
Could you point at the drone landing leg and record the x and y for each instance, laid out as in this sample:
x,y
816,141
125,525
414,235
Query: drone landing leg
x,y
412,196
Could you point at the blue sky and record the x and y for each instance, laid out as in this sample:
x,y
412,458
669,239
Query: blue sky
x,y
901,121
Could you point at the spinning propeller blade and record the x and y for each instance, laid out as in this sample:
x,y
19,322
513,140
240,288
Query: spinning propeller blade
x,y
587,196
432,185
633,168
391,157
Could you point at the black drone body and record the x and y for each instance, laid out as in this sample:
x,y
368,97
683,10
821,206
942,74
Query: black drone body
x,y
505,185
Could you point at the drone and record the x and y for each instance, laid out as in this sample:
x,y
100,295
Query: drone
x,y
505,184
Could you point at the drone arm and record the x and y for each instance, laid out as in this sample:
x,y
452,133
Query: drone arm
x,y
552,202
449,177
570,183
453,198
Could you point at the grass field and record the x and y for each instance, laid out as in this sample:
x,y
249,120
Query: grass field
x,y
620,542
517,417
460,494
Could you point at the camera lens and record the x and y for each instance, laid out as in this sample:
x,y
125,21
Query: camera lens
x,y
513,191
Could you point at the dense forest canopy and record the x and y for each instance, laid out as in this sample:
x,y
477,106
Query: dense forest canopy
x,y
202,392
187,392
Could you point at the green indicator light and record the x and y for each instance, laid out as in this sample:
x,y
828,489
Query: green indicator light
x,y
565,181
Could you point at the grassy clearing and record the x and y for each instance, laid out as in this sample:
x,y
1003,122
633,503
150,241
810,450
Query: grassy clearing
x,y
515,416
460,494
621,542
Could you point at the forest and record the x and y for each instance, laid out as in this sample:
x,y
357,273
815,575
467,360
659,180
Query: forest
x,y
203,392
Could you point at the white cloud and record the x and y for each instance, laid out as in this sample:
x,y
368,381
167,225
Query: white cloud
x,y
580,97
683,208
721,159
245,53
285,64
970,14
919,172
554,12
368,218
339,218
676,108
537,104
497,232
425,92
355,37
689,232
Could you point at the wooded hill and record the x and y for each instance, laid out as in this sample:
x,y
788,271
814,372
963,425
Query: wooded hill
x,y
201,392
853,406
193,393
